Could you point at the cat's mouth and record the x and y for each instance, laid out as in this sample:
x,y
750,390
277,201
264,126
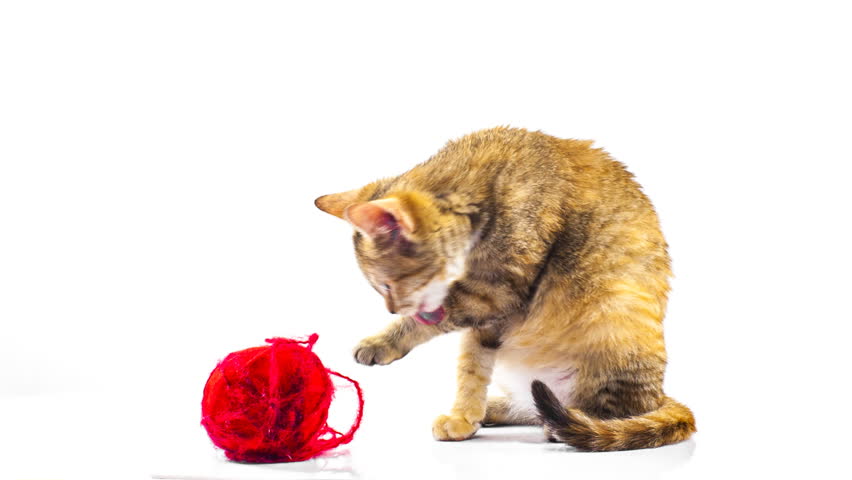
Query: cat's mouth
x,y
430,318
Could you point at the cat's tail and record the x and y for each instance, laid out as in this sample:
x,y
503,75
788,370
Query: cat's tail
x,y
671,423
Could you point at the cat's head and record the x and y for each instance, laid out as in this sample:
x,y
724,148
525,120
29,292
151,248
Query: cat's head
x,y
410,249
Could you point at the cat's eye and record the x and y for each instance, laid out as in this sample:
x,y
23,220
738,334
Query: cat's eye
x,y
386,287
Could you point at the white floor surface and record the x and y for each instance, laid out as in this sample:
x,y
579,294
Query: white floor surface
x,y
92,436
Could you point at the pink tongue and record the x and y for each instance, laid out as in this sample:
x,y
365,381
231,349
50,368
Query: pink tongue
x,y
430,318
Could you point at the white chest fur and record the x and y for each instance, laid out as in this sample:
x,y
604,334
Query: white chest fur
x,y
515,381
433,294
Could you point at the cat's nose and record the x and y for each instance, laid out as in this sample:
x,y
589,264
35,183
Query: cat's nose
x,y
390,304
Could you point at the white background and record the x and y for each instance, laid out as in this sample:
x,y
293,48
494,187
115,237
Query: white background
x,y
159,161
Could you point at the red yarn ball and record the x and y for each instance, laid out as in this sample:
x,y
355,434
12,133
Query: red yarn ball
x,y
270,404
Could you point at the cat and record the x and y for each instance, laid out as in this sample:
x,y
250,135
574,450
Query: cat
x,y
550,259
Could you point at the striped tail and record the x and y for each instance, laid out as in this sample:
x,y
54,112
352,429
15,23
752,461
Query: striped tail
x,y
671,423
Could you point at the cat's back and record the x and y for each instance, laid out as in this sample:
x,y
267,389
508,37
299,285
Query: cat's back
x,y
516,151
516,161
500,148
534,182
567,199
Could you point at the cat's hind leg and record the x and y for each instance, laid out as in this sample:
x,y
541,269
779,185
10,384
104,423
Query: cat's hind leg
x,y
501,411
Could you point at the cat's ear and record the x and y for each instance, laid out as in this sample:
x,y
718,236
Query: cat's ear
x,y
386,216
336,203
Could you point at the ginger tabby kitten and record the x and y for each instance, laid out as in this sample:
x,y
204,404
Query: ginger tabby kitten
x,y
550,259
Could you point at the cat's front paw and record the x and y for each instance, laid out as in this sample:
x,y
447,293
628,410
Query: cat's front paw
x,y
453,428
376,351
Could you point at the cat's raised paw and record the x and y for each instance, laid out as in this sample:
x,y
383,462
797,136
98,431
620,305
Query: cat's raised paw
x,y
452,428
376,351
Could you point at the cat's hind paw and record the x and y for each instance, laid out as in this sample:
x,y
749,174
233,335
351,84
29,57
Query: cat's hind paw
x,y
453,428
376,351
